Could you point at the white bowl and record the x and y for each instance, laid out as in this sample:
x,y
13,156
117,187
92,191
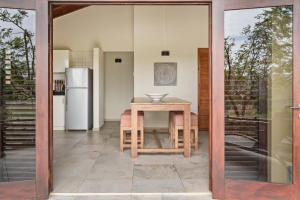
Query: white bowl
x,y
156,97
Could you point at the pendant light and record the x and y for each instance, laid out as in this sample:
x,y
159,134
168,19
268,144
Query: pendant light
x,y
164,52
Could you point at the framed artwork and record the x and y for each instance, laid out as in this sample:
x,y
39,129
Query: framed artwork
x,y
165,74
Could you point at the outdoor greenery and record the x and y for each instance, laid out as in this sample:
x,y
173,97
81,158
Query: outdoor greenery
x,y
17,56
265,53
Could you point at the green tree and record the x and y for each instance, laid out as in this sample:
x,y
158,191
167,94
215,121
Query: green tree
x,y
266,49
19,41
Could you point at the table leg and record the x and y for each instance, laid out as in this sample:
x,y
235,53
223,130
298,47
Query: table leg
x,y
134,137
187,131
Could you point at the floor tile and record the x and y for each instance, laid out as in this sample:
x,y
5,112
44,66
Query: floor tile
x,y
110,170
73,167
103,197
148,172
61,198
164,159
192,171
157,185
106,186
186,197
195,185
146,197
92,162
67,185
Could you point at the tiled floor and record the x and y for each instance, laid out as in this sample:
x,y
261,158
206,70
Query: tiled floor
x,y
90,166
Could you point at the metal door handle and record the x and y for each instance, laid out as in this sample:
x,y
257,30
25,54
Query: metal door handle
x,y
66,101
295,107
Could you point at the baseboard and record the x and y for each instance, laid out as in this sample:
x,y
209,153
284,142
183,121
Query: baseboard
x,y
58,128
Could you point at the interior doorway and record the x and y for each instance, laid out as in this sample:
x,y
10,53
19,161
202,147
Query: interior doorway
x,y
98,150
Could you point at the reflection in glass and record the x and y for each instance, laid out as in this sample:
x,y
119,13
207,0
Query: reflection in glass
x,y
258,93
17,95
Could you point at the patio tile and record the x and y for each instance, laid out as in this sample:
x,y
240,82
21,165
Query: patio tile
x,y
64,142
103,197
92,162
112,145
115,158
165,140
146,197
146,172
73,167
201,159
157,185
192,171
186,197
93,138
111,170
195,185
165,159
106,186
150,141
66,185
61,198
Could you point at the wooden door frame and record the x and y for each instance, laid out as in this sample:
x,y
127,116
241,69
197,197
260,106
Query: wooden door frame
x,y
203,122
145,2
220,187
241,189
33,189
44,137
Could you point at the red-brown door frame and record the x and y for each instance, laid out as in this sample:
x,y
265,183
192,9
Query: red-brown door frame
x,y
44,102
35,189
239,189
143,2
221,188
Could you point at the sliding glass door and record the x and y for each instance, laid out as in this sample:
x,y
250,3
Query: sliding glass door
x,y
258,79
17,101
260,138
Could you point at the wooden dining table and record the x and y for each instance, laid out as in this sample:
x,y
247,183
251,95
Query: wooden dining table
x,y
167,104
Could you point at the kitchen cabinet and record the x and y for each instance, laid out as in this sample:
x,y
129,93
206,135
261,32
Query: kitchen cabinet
x,y
61,60
58,112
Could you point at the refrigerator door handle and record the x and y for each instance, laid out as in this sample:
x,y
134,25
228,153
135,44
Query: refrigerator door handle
x,y
66,100
66,71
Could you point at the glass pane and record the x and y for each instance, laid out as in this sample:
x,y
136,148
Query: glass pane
x,y
258,94
17,95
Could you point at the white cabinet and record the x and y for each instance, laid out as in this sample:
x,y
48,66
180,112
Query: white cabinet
x,y
61,60
58,112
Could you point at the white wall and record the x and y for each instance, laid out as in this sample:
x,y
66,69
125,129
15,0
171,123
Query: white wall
x,y
141,29
118,83
98,89
108,27
179,29
101,89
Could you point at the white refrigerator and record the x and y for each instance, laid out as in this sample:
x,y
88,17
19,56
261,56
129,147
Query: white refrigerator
x,y
79,99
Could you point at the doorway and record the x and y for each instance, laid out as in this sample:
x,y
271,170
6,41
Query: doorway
x,y
155,174
251,189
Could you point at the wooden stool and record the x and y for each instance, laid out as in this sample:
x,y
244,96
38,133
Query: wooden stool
x,y
171,124
178,125
125,127
171,115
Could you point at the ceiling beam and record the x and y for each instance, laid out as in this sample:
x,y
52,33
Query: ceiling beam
x,y
60,10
